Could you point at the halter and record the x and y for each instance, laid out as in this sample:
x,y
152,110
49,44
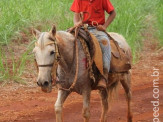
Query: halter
x,y
58,57
56,61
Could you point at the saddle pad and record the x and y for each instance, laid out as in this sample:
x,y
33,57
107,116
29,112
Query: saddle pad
x,y
97,54
120,40
120,58
121,54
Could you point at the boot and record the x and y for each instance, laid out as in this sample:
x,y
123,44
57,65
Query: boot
x,y
103,80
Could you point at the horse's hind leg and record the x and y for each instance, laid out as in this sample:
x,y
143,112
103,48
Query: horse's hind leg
x,y
86,106
104,98
62,95
125,81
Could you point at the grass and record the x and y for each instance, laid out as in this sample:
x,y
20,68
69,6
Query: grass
x,y
160,21
18,16
129,21
12,67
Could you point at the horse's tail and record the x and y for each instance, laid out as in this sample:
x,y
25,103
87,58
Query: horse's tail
x,y
113,91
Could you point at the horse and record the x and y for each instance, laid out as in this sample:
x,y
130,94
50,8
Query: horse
x,y
48,45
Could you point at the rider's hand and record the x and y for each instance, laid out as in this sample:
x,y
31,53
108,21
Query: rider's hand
x,y
78,24
101,28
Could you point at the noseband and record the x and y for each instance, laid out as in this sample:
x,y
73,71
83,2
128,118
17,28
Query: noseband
x,y
47,65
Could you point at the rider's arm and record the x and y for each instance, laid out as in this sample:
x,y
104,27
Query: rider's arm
x,y
110,19
77,19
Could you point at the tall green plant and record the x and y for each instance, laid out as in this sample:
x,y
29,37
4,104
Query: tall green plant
x,y
18,16
160,21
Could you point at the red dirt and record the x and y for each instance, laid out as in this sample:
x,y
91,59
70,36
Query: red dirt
x,y
27,103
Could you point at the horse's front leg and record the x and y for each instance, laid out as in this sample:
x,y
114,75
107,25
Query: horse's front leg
x,y
86,106
62,95
104,99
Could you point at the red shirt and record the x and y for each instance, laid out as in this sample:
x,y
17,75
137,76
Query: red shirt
x,y
96,9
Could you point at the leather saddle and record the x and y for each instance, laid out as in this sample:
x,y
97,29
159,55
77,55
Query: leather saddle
x,y
120,58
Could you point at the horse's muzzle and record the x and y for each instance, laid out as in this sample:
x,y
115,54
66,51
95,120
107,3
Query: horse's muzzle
x,y
45,86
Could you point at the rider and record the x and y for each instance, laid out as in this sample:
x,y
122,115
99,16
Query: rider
x,y
95,18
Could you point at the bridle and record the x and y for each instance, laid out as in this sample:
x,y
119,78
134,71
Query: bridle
x,y
47,65
56,56
56,60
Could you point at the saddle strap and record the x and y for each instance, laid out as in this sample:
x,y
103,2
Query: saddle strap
x,y
77,63
116,44
84,38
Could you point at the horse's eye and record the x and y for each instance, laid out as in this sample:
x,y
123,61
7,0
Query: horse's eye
x,y
52,52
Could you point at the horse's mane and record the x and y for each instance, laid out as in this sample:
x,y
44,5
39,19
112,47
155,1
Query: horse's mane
x,y
66,36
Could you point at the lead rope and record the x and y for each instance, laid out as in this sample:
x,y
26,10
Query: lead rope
x,y
77,63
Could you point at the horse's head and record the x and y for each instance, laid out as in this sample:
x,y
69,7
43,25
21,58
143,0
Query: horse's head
x,y
45,51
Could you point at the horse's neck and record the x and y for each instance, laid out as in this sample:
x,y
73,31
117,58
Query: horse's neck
x,y
65,43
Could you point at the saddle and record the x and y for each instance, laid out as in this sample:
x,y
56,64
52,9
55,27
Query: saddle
x,y
120,58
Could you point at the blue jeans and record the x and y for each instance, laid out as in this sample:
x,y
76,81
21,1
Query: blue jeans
x,y
104,42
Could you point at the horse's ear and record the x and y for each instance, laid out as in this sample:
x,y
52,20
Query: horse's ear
x,y
53,31
36,33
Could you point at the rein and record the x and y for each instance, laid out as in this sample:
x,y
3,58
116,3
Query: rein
x,y
77,63
56,62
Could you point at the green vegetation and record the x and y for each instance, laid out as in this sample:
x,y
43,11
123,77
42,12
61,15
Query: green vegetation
x,y
130,20
160,21
19,16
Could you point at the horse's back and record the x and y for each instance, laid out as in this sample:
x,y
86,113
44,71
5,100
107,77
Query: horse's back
x,y
120,40
122,43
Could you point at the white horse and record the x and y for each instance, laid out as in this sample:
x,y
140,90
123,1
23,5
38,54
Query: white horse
x,y
46,47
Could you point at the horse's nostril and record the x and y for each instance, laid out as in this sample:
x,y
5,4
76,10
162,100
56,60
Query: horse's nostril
x,y
38,84
46,83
